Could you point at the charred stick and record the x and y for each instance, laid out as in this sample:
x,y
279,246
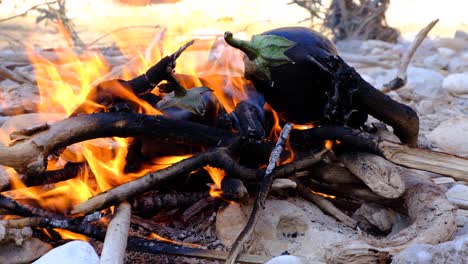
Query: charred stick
x,y
30,154
219,158
259,203
140,185
197,207
401,78
325,205
156,247
248,120
71,170
115,243
332,174
154,201
152,227
105,93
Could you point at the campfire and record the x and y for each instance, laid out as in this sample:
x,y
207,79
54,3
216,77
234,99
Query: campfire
x,y
150,147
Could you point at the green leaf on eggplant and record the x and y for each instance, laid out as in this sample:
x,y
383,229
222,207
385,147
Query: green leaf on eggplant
x,y
192,101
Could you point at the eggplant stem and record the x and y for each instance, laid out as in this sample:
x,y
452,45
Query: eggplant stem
x,y
243,45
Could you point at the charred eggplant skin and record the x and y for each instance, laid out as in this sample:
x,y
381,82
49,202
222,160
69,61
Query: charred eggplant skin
x,y
316,85
298,90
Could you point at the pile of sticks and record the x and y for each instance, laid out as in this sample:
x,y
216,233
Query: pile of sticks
x,y
365,167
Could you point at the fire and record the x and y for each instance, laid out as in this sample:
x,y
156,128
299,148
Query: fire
x,y
160,238
324,195
217,176
65,81
329,144
65,234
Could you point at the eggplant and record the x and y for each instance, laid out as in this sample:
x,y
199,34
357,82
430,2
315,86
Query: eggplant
x,y
301,75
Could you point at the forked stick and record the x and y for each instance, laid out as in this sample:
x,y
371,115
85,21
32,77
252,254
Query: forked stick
x,y
401,78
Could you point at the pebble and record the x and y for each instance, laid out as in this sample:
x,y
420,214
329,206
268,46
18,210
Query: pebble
x,y
286,259
458,195
448,136
75,252
456,83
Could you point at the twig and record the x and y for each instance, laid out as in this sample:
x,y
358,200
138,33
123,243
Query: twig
x,y
245,235
325,205
401,78
9,74
115,243
27,11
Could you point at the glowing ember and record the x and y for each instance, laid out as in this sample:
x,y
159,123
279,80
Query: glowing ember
x,y
324,195
329,144
160,238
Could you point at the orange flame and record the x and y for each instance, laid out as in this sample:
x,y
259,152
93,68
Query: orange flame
x,y
324,195
217,176
160,238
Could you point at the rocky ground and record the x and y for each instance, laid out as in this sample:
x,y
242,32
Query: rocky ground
x,y
437,89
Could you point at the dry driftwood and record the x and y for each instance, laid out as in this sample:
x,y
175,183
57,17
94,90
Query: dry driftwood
x,y
333,174
378,174
433,221
115,243
401,78
411,157
325,205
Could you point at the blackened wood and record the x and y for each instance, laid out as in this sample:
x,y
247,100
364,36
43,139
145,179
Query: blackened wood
x,y
69,171
154,201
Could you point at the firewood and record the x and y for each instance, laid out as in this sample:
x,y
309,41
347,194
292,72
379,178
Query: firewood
x,y
332,174
154,201
9,74
433,221
411,157
115,243
69,171
197,207
381,176
30,154
325,205
217,158
262,194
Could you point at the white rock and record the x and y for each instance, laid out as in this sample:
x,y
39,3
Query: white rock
x,y
230,221
456,83
446,52
436,62
298,228
458,195
461,34
448,136
286,259
283,183
425,107
425,83
458,64
75,252
453,252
